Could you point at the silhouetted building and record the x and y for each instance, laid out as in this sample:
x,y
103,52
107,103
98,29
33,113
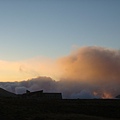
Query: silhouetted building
x,y
41,95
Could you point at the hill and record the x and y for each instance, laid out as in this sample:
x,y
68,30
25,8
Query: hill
x,y
4,93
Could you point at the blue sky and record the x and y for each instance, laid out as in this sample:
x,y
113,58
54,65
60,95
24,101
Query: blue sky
x,y
49,28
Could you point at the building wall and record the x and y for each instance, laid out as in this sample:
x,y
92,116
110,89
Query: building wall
x,y
41,95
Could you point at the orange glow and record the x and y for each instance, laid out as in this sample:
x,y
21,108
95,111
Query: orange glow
x,y
23,70
107,95
103,95
95,93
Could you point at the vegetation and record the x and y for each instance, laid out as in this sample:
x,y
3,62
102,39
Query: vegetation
x,y
35,109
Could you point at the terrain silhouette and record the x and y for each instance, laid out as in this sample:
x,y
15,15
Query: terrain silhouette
x,y
4,93
25,108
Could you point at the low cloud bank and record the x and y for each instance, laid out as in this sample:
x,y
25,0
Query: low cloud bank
x,y
70,90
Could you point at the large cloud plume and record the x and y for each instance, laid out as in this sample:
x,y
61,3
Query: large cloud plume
x,y
88,72
94,64
97,67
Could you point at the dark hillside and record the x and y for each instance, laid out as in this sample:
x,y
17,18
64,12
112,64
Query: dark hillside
x,y
4,93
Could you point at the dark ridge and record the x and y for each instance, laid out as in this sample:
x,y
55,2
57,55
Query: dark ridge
x,y
4,93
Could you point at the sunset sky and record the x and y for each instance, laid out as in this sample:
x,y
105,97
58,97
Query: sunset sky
x,y
36,34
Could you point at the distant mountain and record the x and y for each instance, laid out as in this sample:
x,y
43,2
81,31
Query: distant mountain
x,y
4,93
118,96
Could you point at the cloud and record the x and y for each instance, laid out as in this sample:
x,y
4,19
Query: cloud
x,y
84,94
92,64
40,83
20,90
97,67
88,72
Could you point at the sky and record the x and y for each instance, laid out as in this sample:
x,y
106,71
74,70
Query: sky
x,y
52,28
74,42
